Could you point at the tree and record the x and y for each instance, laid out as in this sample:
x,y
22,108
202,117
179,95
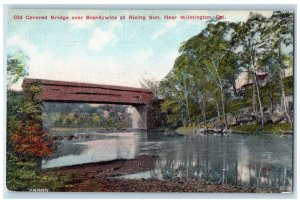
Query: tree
x,y
29,140
26,141
202,90
210,62
219,50
205,67
251,46
151,84
278,34
201,87
16,67
212,49
174,100
95,119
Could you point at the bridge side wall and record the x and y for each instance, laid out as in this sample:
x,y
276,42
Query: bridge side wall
x,y
59,91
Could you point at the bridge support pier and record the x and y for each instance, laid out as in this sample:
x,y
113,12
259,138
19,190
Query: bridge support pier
x,y
143,111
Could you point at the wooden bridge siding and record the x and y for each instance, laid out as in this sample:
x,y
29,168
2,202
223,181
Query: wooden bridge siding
x,y
75,94
58,91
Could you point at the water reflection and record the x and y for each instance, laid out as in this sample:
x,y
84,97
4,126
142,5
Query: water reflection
x,y
95,148
249,160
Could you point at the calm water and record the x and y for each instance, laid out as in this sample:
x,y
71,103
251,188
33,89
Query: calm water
x,y
263,161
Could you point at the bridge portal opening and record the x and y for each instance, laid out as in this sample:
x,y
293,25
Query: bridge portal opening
x,y
59,116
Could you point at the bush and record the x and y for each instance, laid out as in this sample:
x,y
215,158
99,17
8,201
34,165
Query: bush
x,y
27,145
23,176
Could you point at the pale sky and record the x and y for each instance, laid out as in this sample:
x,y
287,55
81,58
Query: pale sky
x,y
114,52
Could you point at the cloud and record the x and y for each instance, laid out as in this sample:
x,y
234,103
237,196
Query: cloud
x,y
19,42
37,59
166,27
102,38
108,70
143,55
141,64
114,25
151,66
171,24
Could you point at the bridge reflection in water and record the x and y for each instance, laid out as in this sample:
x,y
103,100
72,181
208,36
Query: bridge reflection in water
x,y
262,161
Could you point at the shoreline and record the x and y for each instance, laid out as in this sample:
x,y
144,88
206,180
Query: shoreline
x,y
105,177
195,130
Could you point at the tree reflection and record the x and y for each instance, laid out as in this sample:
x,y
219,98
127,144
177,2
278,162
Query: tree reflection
x,y
227,160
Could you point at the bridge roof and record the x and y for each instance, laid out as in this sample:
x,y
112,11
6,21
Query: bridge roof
x,y
79,84
62,91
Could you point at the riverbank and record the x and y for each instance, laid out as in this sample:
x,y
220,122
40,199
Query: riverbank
x,y
269,129
59,134
96,129
103,177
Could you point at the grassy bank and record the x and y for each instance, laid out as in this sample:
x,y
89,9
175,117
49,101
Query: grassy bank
x,y
275,129
98,129
187,130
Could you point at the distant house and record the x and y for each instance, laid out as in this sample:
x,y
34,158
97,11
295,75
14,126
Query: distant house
x,y
242,82
262,80
246,86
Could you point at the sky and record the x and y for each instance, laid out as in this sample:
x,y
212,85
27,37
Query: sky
x,y
114,52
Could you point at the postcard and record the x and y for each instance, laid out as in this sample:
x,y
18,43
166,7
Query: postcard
x,y
114,100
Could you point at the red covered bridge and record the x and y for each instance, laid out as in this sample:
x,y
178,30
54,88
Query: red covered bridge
x,y
61,91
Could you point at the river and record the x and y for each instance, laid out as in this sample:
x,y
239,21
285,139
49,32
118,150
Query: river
x,y
260,161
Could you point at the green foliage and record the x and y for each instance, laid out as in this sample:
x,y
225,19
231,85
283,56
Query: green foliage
x,y
234,106
152,85
202,71
86,116
22,176
268,129
204,74
289,85
16,67
187,130
14,103
26,143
